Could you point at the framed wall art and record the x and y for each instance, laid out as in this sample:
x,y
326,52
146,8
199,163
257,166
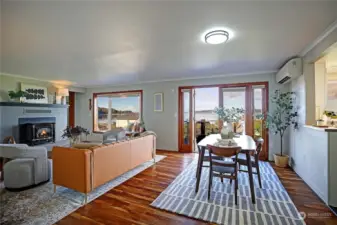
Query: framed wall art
x,y
35,93
158,102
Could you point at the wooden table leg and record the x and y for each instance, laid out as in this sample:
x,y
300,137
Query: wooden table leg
x,y
199,169
250,174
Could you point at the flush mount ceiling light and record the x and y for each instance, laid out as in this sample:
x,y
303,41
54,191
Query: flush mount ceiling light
x,y
216,37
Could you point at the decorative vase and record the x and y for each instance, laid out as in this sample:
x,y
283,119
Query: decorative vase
x,y
281,160
326,119
227,130
22,99
73,140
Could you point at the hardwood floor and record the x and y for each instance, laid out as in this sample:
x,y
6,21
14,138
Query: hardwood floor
x,y
305,200
129,203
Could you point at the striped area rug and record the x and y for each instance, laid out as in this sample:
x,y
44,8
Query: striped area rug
x,y
273,204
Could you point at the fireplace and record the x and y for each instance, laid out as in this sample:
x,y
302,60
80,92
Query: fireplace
x,y
37,130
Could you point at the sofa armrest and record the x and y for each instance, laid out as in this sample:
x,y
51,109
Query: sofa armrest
x,y
72,168
39,154
22,151
14,145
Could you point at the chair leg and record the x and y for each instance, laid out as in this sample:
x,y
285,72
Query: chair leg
x,y
54,188
236,191
209,183
85,198
196,174
258,173
221,178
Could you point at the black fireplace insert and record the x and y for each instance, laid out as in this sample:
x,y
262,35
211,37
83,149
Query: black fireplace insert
x,y
37,130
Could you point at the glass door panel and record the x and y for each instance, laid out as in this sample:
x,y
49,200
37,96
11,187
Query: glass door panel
x,y
186,120
259,108
236,97
187,117
206,121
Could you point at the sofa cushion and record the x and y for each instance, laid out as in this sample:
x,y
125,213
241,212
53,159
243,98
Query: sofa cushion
x,y
86,145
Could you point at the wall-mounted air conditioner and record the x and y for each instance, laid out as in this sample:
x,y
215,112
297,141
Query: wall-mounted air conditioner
x,y
291,70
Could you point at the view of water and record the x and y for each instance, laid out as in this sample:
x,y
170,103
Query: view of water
x,y
199,115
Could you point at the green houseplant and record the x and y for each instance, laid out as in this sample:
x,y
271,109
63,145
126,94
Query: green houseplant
x,y
17,95
228,116
280,119
73,133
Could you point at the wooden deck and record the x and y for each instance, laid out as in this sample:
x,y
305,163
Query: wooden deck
x,y
129,203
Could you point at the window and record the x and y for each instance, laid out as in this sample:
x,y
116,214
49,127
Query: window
x,y
117,109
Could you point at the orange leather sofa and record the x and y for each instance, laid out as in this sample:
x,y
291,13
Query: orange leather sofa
x,y
84,170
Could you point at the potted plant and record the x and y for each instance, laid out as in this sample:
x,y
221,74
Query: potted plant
x,y
17,95
279,120
73,133
228,116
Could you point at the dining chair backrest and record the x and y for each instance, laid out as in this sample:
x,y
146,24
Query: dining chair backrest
x,y
259,143
226,151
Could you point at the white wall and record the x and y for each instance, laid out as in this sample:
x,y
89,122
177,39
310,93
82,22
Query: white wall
x,y
320,89
165,124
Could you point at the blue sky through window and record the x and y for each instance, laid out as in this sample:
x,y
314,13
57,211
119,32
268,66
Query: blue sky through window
x,y
120,103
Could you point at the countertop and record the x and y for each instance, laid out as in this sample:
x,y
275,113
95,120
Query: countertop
x,y
328,129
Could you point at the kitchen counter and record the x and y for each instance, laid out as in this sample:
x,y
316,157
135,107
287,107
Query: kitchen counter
x,y
326,129
317,149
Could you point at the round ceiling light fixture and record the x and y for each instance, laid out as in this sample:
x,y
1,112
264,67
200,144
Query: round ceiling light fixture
x,y
216,37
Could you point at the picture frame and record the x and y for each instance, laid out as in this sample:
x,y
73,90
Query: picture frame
x,y
35,93
158,102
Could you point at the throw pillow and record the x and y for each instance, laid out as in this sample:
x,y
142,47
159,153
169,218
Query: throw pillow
x,y
135,127
129,127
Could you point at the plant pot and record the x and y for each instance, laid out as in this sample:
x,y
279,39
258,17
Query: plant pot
x,y
281,161
22,99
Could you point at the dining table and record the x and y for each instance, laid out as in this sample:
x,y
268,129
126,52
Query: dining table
x,y
248,147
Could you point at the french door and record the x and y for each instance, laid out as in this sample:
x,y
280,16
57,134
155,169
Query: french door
x,y
252,97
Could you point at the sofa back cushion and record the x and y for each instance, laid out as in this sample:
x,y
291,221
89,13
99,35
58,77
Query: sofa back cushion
x,y
94,137
141,150
110,161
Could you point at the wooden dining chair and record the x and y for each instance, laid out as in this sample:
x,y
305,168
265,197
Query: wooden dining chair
x,y
255,160
222,168
205,162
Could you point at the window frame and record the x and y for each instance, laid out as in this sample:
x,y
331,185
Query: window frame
x,y
97,94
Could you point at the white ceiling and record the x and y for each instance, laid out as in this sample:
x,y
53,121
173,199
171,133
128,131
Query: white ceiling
x,y
97,43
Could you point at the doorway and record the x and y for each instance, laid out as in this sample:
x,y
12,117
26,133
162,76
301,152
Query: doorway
x,y
197,120
71,109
